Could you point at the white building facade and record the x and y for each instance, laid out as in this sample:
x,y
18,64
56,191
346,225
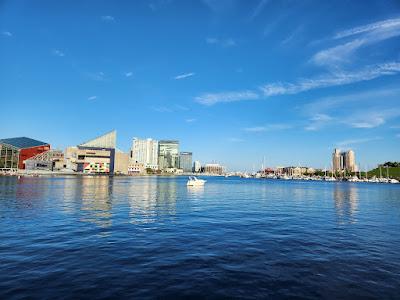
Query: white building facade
x,y
145,151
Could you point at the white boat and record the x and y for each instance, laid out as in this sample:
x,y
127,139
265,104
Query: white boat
x,y
194,181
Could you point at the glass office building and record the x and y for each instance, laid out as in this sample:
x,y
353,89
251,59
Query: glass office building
x,y
185,161
168,154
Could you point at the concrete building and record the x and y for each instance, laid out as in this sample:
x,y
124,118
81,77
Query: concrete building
x,y
343,161
51,160
15,151
145,152
168,154
216,169
197,167
185,161
96,156
136,168
121,163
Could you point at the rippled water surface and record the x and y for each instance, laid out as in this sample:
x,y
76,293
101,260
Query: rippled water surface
x,y
154,237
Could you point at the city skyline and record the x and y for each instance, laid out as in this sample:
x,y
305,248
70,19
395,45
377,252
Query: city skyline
x,y
233,81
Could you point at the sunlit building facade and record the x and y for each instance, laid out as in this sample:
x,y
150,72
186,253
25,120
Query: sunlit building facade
x,y
343,161
145,151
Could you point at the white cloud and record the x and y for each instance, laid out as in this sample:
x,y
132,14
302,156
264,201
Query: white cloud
x,y
228,42
128,74
108,18
357,141
59,53
318,121
269,127
190,120
333,79
259,8
367,35
235,140
92,98
385,24
214,98
183,76
97,76
7,33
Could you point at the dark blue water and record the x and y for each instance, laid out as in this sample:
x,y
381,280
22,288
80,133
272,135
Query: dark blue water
x,y
235,238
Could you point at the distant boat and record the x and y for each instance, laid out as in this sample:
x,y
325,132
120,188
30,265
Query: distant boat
x,y
194,181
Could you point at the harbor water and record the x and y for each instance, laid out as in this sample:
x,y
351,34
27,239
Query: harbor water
x,y
154,237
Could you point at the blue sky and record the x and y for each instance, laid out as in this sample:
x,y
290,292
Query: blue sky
x,y
234,81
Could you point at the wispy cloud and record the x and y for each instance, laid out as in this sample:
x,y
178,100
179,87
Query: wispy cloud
x,y
7,33
357,141
128,74
269,127
92,98
235,140
169,109
333,79
59,53
371,118
318,121
97,76
183,76
190,120
259,8
108,18
385,24
228,42
366,35
214,98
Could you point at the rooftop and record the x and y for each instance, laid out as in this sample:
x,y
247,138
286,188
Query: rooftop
x,y
22,142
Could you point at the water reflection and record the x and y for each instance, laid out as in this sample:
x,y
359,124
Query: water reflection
x,y
195,191
346,202
95,202
150,197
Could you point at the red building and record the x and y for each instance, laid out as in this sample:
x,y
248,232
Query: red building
x,y
15,151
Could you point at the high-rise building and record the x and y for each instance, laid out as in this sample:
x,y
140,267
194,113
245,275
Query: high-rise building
x,y
185,161
342,161
196,166
145,152
168,154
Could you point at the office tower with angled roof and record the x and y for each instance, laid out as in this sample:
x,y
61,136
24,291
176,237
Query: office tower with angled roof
x,y
185,161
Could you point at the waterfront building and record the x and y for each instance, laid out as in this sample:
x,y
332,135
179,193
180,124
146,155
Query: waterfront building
x,y
197,167
136,168
97,156
216,169
185,161
145,151
15,151
168,154
343,161
51,160
121,162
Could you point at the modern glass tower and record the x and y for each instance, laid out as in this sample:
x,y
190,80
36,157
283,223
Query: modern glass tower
x,y
168,154
185,161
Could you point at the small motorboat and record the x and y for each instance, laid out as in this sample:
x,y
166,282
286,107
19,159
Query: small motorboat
x,y
194,181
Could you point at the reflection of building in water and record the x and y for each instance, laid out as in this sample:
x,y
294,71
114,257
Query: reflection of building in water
x,y
151,197
96,200
346,201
